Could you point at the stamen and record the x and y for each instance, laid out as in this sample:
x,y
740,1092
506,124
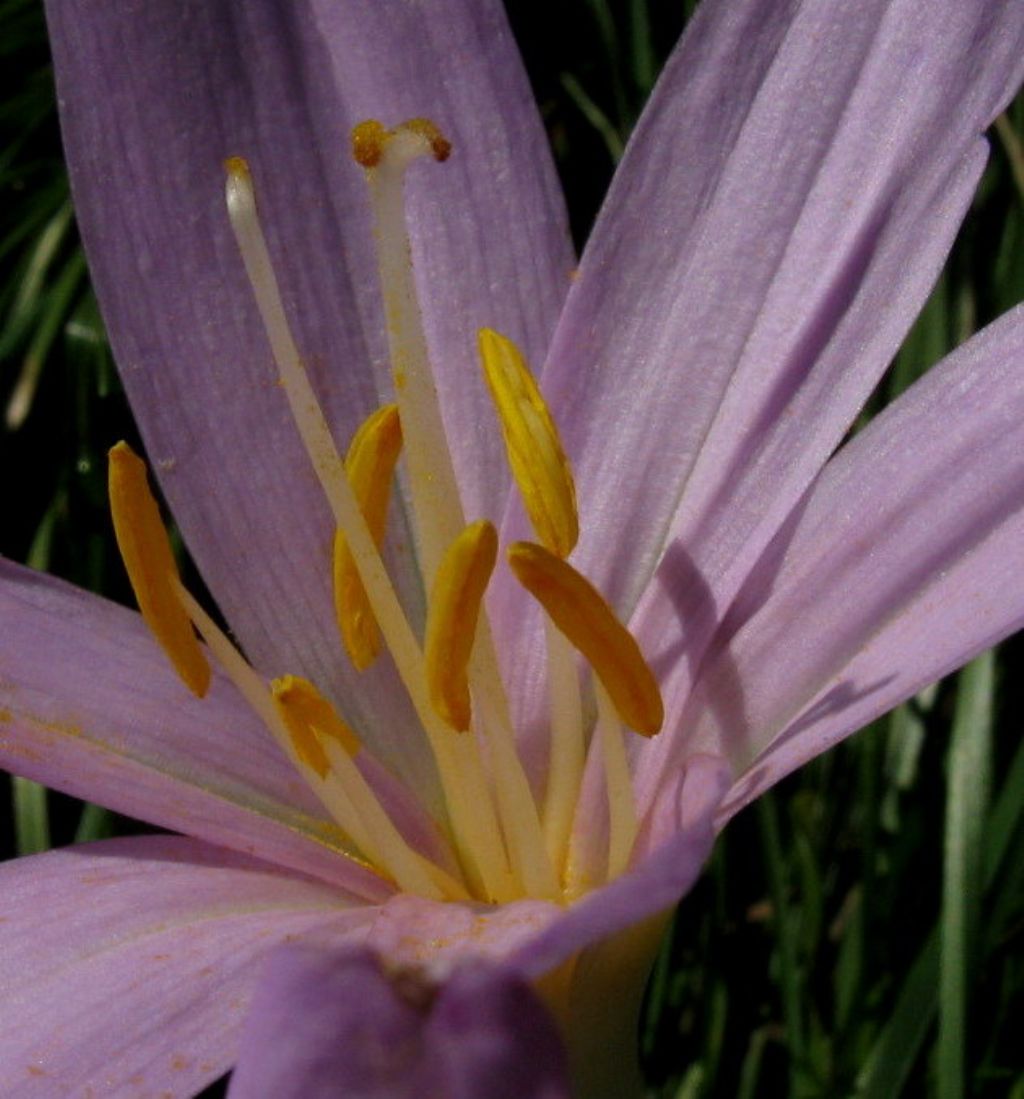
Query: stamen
x,y
147,556
437,508
462,778
454,608
581,613
307,761
311,719
568,751
539,465
305,709
452,663
370,466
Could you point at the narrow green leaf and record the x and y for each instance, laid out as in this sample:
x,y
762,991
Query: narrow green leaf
x,y
966,805
898,1046
889,1064
595,116
645,68
53,313
95,823
31,816
784,925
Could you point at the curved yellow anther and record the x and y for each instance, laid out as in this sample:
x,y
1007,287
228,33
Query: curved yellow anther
x,y
307,716
370,139
370,468
147,556
539,465
581,613
452,618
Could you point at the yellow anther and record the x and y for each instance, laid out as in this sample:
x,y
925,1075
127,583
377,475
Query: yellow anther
x,y
539,465
370,467
580,612
370,139
452,619
237,167
307,716
147,556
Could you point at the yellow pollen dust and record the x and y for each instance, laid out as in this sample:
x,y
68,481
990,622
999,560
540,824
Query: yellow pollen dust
x,y
148,559
370,468
535,454
452,617
581,613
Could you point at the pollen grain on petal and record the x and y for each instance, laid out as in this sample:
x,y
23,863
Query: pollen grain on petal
x,y
452,616
146,552
370,467
535,454
581,613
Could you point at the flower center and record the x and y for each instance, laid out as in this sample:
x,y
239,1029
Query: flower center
x,y
507,841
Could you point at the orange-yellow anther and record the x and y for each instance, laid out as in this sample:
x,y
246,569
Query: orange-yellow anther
x,y
581,613
370,467
147,556
307,716
452,618
539,465
237,167
370,138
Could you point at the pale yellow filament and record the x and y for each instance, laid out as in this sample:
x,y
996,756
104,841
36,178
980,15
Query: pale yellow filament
x,y
622,823
568,750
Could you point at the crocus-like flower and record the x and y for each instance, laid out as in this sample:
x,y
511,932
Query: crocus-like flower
x,y
460,786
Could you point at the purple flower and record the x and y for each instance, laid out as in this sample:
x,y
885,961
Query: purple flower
x,y
783,208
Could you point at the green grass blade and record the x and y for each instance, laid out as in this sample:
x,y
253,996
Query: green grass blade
x,y
595,116
966,806
95,823
898,1046
31,816
889,1064
783,922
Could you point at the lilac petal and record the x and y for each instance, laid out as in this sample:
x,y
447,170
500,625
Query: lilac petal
x,y
902,564
781,214
154,96
354,1029
493,1039
436,938
89,706
127,965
